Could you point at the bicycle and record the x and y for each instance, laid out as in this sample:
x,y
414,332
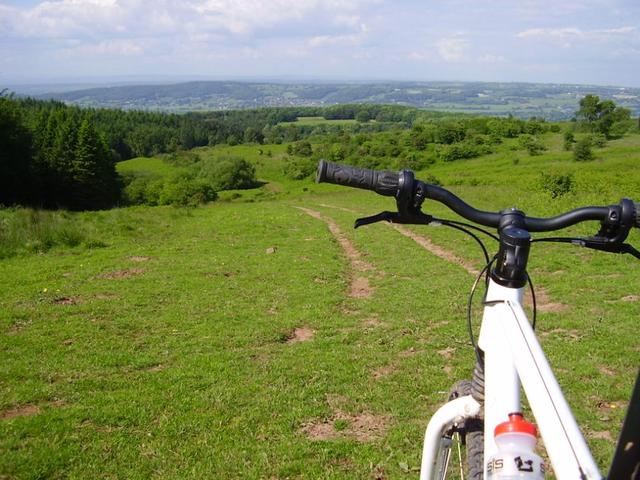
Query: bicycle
x,y
508,354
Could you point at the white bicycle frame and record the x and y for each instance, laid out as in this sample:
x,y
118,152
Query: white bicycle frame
x,y
512,355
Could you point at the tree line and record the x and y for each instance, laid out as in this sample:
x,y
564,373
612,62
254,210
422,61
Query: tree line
x,y
56,156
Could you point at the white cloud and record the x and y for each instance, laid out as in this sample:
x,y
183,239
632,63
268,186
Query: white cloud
x,y
489,58
109,47
419,56
349,39
452,49
566,35
73,18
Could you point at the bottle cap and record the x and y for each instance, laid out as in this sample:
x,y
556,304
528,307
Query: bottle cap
x,y
516,424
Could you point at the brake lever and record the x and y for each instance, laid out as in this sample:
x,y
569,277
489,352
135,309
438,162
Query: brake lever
x,y
395,217
607,246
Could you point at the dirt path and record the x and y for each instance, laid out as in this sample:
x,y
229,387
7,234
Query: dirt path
x,y
359,286
438,251
543,301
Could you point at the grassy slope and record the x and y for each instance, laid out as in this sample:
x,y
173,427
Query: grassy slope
x,y
153,166
164,355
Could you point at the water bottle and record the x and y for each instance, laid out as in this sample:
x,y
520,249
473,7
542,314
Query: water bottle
x,y
515,458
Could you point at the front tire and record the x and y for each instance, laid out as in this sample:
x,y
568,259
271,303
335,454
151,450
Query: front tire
x,y
461,452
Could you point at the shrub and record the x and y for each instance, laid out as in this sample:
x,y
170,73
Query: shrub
x,y
182,189
619,128
582,150
228,173
298,168
531,144
569,140
302,149
557,184
598,140
414,161
462,150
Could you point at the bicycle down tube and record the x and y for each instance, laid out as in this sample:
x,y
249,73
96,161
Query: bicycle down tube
x,y
513,355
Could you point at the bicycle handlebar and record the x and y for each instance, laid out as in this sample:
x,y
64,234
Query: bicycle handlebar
x,y
391,183
382,182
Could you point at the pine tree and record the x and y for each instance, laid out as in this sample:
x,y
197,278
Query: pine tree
x,y
15,155
93,173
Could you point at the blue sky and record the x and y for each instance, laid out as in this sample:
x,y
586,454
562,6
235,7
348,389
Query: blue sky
x,y
560,41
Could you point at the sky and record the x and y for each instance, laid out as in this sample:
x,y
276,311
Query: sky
x,y
550,41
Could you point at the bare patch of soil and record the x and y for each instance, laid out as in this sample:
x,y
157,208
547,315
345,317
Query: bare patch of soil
x,y
609,406
23,411
383,371
604,435
124,273
139,258
360,288
363,427
17,326
447,353
631,298
371,322
410,352
65,301
563,332
607,371
544,303
348,210
302,334
105,296
156,368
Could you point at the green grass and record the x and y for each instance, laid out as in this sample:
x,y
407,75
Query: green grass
x,y
164,354
145,165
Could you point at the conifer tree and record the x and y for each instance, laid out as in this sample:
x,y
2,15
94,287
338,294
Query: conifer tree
x,y
93,173
15,155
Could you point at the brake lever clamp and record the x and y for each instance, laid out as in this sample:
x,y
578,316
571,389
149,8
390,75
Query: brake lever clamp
x,y
616,227
614,230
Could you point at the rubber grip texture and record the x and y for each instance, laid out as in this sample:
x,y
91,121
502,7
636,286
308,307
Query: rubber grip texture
x,y
380,181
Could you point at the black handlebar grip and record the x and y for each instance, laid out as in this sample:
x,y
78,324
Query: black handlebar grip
x,y
380,181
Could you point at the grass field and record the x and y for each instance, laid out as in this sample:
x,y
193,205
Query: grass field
x,y
268,339
151,166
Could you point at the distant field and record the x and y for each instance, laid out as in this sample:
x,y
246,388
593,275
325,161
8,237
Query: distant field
x,y
240,340
153,166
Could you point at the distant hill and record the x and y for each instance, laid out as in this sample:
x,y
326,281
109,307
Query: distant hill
x,y
551,101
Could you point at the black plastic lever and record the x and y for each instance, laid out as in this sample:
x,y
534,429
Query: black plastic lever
x,y
606,246
418,218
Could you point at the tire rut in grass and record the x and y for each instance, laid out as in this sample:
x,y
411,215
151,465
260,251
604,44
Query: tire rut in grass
x,y
359,286
543,302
